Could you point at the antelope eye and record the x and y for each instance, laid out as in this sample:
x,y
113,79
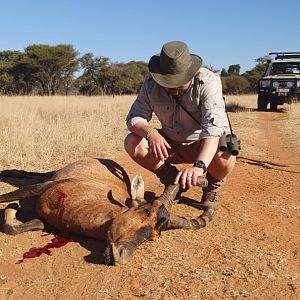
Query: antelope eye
x,y
146,211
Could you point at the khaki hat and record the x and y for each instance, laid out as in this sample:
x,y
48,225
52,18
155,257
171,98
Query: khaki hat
x,y
174,66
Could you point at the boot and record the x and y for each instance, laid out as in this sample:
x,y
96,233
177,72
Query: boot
x,y
210,198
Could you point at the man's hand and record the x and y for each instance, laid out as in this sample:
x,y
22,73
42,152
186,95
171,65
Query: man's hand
x,y
187,177
158,146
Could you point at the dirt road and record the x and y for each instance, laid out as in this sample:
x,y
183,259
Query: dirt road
x,y
250,250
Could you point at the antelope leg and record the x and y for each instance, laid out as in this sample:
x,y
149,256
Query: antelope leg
x,y
13,227
25,192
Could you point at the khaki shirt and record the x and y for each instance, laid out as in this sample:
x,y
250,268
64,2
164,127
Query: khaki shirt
x,y
203,100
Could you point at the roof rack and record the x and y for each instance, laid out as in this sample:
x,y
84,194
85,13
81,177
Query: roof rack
x,y
285,55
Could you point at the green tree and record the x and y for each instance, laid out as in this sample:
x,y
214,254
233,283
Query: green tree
x,y
223,73
254,75
100,76
52,66
23,73
11,82
85,86
234,70
6,84
130,77
93,80
235,84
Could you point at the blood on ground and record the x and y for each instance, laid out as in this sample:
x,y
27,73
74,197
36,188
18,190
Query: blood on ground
x,y
56,242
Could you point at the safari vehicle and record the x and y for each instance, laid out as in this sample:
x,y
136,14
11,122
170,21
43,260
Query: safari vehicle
x,y
281,82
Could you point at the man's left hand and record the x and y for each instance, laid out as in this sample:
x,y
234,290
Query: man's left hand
x,y
187,177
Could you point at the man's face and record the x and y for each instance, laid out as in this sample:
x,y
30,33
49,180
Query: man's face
x,y
178,91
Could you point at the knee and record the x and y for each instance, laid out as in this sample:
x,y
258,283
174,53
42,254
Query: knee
x,y
227,161
133,143
222,164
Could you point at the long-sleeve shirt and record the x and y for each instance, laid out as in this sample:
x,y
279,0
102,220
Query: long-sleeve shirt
x,y
203,99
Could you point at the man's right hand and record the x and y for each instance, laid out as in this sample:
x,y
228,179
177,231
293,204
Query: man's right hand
x,y
158,146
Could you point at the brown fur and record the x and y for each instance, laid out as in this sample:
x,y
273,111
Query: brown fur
x,y
84,197
89,198
80,198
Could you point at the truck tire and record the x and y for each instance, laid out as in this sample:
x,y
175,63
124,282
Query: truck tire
x,y
262,103
273,105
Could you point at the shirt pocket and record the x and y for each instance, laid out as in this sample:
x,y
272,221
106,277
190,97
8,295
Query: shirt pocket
x,y
164,113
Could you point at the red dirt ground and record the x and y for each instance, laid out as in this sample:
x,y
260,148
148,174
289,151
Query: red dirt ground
x,y
250,250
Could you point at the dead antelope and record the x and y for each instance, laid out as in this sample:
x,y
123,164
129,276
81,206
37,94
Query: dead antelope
x,y
94,198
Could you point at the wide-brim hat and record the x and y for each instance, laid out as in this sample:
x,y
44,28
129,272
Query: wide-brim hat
x,y
174,66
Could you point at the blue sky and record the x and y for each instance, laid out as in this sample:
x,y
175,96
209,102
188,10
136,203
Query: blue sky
x,y
221,32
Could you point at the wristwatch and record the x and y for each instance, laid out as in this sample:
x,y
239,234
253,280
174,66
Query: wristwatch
x,y
200,164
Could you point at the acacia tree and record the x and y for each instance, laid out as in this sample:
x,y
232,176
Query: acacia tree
x,y
23,73
100,76
52,66
234,84
234,70
224,73
256,73
12,80
94,68
126,78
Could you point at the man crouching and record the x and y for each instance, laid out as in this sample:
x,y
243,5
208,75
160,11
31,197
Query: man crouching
x,y
188,101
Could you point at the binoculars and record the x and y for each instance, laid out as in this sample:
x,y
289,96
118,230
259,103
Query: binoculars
x,y
230,143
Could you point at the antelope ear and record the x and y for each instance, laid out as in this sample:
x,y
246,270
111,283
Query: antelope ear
x,y
137,190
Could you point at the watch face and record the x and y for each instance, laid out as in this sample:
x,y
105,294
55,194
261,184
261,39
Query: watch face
x,y
200,164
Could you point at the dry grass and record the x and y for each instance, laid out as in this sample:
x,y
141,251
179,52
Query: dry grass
x,y
45,131
240,103
42,133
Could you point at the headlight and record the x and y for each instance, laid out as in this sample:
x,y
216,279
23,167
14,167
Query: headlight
x,y
265,83
298,83
275,84
290,84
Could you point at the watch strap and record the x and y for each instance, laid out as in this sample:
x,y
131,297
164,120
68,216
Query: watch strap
x,y
200,164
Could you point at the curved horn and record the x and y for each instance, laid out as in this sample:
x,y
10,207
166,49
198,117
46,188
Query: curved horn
x,y
168,195
176,222
170,192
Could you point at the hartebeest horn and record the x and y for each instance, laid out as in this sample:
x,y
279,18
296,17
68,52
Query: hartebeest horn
x,y
169,194
176,222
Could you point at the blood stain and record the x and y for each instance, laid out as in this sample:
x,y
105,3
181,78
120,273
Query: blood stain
x,y
56,242
60,202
